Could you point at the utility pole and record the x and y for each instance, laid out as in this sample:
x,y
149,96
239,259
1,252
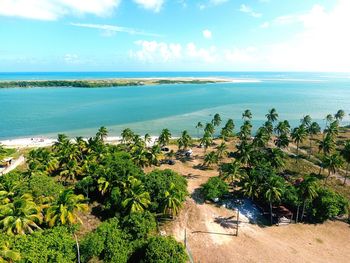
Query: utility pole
x,y
237,222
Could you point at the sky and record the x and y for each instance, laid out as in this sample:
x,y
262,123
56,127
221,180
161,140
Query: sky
x,y
174,35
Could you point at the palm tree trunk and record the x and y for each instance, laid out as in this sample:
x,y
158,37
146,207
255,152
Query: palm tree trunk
x,y
329,174
297,157
302,213
297,216
271,219
346,173
310,149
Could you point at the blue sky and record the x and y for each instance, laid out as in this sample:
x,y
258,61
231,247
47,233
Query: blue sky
x,y
176,35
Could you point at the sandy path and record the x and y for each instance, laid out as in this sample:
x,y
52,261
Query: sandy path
x,y
212,242
13,166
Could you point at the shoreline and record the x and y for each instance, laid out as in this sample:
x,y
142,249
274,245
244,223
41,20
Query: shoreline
x,y
38,142
118,82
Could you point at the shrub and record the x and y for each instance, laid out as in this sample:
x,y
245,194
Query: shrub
x,y
327,205
140,225
108,242
164,250
158,182
52,245
214,188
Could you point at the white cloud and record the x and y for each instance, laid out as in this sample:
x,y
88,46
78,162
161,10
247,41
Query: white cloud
x,y
248,10
265,25
243,55
153,5
207,34
71,58
201,54
210,3
323,45
53,9
153,51
161,52
108,30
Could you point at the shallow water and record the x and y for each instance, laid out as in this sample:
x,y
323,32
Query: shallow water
x,y
77,111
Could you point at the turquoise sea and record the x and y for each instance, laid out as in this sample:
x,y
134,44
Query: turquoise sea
x,y
148,109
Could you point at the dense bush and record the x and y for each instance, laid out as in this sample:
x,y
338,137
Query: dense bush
x,y
164,250
108,243
139,225
328,204
158,182
55,245
214,188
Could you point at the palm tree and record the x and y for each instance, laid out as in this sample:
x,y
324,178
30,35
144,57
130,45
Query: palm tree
x,y
250,185
282,141
327,145
306,121
244,153
127,135
339,115
345,152
164,137
199,126
261,138
210,159
216,120
308,191
136,198
7,254
232,172
247,115
20,216
298,135
273,192
332,163
272,115
313,129
147,138
172,201
184,141
282,127
65,209
276,157
221,150
329,118
206,141
102,133
227,130
209,128
245,131
333,129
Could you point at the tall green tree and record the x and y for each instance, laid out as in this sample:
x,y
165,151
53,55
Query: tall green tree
x,y
64,210
273,191
308,191
199,126
184,141
102,133
164,137
210,159
216,120
272,115
313,129
332,163
20,216
345,152
247,115
136,198
298,135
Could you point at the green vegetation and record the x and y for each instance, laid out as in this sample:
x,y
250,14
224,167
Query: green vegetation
x,y
97,83
46,203
214,188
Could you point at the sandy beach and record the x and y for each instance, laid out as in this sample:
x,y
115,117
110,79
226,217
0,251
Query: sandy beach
x,y
37,142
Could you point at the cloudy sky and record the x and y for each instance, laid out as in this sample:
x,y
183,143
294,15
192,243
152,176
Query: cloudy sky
x,y
174,35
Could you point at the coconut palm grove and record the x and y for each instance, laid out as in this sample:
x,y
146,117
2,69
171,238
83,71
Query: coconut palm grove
x,y
87,200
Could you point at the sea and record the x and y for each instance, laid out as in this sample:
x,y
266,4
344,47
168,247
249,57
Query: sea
x,y
45,112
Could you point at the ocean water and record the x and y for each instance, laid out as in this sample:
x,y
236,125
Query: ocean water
x,y
148,109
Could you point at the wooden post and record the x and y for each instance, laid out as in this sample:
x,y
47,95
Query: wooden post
x,y
237,222
78,251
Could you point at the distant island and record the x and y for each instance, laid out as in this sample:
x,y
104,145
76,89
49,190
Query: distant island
x,y
99,83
